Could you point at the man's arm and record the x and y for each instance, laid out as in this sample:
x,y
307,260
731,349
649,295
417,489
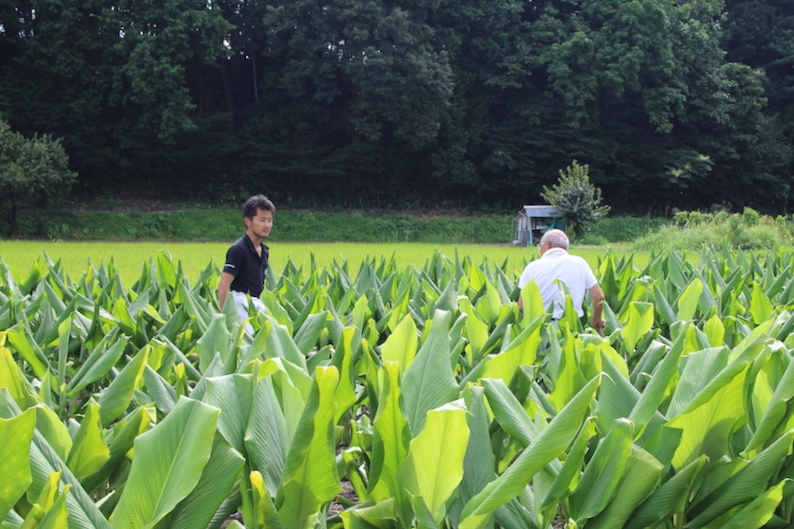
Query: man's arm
x,y
598,298
223,288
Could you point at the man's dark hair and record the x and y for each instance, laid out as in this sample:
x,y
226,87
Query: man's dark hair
x,y
257,202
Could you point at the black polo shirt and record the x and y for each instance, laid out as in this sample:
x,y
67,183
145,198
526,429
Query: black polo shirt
x,y
248,269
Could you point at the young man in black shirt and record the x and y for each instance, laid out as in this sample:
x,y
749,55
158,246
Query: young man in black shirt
x,y
247,259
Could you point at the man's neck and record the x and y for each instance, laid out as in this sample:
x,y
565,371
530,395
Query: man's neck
x,y
254,239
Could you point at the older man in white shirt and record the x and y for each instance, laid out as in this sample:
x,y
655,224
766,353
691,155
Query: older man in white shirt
x,y
556,266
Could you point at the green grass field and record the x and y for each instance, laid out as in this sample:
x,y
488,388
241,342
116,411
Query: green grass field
x,y
128,257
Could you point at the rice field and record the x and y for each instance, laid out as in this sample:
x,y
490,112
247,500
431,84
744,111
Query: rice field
x,y
128,257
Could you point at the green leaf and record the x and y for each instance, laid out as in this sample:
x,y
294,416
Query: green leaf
x,y
215,485
89,451
116,398
775,412
429,381
215,340
44,462
754,514
168,463
401,345
639,322
761,308
345,395
668,499
707,428
266,438
233,395
99,362
603,473
509,413
309,480
478,463
389,449
688,300
378,516
551,442
57,515
434,465
747,484
643,472
532,302
16,435
12,380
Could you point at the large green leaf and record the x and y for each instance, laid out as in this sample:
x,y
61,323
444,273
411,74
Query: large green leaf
x,y
14,382
478,463
775,412
215,340
389,448
548,445
401,345
754,514
233,395
215,485
378,516
744,486
434,465
707,428
532,302
89,451
603,473
310,480
429,381
121,441
509,413
643,472
639,322
44,462
688,300
761,308
345,395
116,398
16,434
668,499
267,439
168,463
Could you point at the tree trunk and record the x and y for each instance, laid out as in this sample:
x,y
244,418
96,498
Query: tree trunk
x,y
227,90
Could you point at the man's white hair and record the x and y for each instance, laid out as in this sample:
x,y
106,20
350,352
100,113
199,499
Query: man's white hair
x,y
556,239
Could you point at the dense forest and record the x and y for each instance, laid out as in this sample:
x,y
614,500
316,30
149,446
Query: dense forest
x,y
410,103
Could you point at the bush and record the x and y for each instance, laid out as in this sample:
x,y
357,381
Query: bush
x,y
31,172
695,230
620,229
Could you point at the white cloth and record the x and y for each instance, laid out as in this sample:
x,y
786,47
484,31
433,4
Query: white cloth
x,y
554,266
241,300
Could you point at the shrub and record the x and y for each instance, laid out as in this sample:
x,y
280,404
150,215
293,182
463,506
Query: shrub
x,y
695,230
31,172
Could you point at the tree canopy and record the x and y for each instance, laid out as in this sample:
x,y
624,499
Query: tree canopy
x,y
403,103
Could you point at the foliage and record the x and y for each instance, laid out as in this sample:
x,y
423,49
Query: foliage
x,y
146,406
32,171
625,228
404,104
577,200
693,230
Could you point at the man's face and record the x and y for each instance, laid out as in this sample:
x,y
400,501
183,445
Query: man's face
x,y
261,224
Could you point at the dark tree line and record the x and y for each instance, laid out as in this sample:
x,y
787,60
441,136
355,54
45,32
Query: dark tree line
x,y
399,103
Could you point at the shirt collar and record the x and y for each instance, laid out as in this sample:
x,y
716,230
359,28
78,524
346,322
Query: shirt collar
x,y
551,252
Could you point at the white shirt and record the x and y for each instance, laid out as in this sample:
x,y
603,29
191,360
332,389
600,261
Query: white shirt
x,y
558,265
